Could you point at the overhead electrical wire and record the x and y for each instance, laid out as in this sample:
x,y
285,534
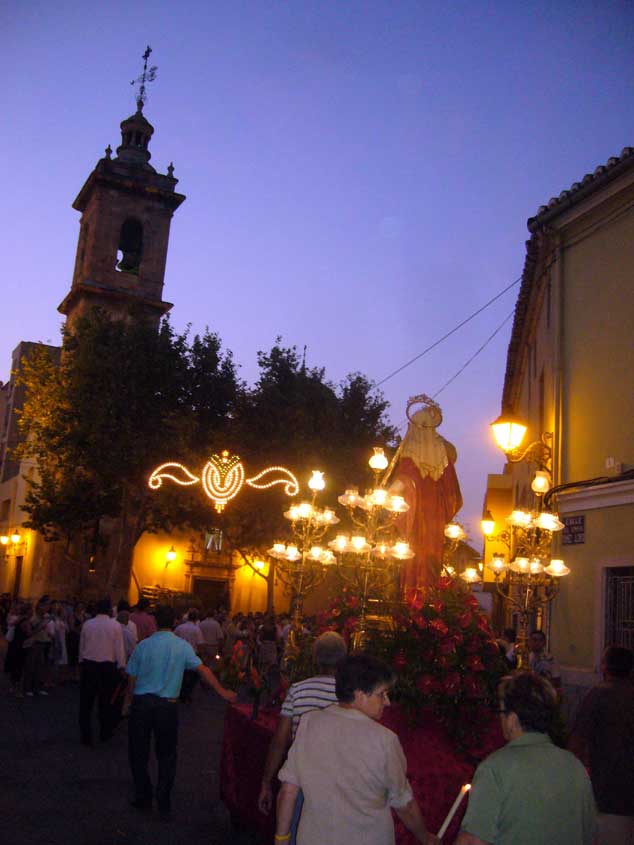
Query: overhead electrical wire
x,y
448,334
475,354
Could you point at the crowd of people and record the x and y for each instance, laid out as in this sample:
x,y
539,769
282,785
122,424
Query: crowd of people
x,y
338,773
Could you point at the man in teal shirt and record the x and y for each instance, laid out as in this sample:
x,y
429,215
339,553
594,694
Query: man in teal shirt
x,y
155,674
530,792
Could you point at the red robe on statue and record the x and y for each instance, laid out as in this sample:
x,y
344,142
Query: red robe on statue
x,y
432,504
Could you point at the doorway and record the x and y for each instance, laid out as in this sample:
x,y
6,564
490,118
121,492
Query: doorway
x,y
212,593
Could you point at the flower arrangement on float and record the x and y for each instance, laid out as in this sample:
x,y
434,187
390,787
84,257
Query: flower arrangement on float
x,y
442,649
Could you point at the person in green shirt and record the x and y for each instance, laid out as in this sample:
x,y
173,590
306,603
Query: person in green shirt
x,y
530,792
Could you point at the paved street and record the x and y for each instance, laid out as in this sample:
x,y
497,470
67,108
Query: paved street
x,y
54,791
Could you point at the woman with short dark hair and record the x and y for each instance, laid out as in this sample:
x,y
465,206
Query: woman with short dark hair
x,y
351,769
529,792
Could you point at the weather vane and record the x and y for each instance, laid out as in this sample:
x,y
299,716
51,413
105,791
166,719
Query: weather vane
x,y
148,75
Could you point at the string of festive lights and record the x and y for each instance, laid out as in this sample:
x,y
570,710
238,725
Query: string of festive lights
x,y
159,474
291,484
222,478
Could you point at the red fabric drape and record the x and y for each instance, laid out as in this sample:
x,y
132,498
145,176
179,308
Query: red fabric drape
x,y
436,771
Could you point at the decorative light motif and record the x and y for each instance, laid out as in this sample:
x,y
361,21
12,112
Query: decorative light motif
x,y
222,478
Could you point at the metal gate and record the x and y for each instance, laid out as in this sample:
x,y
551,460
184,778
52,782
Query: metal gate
x,y
619,607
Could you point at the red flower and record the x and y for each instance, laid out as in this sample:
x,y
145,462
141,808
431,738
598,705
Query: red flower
x,y
474,663
352,602
426,684
447,646
439,627
451,683
420,621
400,661
438,606
464,618
444,583
483,624
471,686
416,601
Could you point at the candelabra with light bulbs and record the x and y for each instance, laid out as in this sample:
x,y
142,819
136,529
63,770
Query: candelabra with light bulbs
x,y
530,579
303,563
369,557
454,535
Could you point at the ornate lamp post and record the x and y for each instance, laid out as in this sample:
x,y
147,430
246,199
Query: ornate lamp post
x,y
530,580
369,557
302,564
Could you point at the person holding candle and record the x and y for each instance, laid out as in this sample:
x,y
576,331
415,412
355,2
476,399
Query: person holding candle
x,y
351,769
530,792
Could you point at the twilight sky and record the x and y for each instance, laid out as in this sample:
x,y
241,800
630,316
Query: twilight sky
x,y
358,174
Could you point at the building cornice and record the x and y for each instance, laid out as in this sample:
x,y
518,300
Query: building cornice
x,y
592,498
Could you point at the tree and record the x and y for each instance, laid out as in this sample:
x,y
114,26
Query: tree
x,y
124,398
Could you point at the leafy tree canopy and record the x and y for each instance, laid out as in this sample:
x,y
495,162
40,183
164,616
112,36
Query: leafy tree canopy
x,y
127,397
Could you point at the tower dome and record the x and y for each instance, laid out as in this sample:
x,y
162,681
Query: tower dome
x,y
136,132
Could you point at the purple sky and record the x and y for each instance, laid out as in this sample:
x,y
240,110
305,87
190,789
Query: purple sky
x,y
358,174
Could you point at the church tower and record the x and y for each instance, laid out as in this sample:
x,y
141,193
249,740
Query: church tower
x,y
126,209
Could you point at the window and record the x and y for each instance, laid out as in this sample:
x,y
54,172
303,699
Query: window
x,y
619,606
130,246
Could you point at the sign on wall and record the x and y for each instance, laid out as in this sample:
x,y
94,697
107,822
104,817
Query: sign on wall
x,y
574,532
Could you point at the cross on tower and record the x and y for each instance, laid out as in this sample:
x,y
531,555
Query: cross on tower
x,y
148,75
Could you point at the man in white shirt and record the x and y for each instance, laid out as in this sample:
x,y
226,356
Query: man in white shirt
x,y
189,631
101,657
213,636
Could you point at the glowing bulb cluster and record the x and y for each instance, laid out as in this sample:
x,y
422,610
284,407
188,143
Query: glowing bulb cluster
x,y
455,531
290,553
377,498
357,544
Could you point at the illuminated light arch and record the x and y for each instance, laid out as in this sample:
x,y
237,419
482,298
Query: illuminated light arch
x,y
291,485
159,474
222,478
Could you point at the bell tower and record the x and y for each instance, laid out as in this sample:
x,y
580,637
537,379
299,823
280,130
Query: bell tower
x,y
126,211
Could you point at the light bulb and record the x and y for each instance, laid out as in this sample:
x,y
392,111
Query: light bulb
x,y
378,461
541,483
317,481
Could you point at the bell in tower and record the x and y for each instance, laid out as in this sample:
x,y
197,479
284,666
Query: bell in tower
x,y
126,208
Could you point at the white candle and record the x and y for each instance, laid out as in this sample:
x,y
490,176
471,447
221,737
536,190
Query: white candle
x,y
454,807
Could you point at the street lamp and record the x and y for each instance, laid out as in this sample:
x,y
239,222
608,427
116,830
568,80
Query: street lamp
x,y
509,431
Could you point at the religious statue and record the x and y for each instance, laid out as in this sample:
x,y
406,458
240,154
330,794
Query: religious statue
x,y
425,476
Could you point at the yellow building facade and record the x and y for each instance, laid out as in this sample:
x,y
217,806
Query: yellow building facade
x,y
570,373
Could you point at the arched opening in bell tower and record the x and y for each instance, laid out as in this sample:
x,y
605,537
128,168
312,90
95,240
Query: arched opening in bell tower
x,y
130,246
